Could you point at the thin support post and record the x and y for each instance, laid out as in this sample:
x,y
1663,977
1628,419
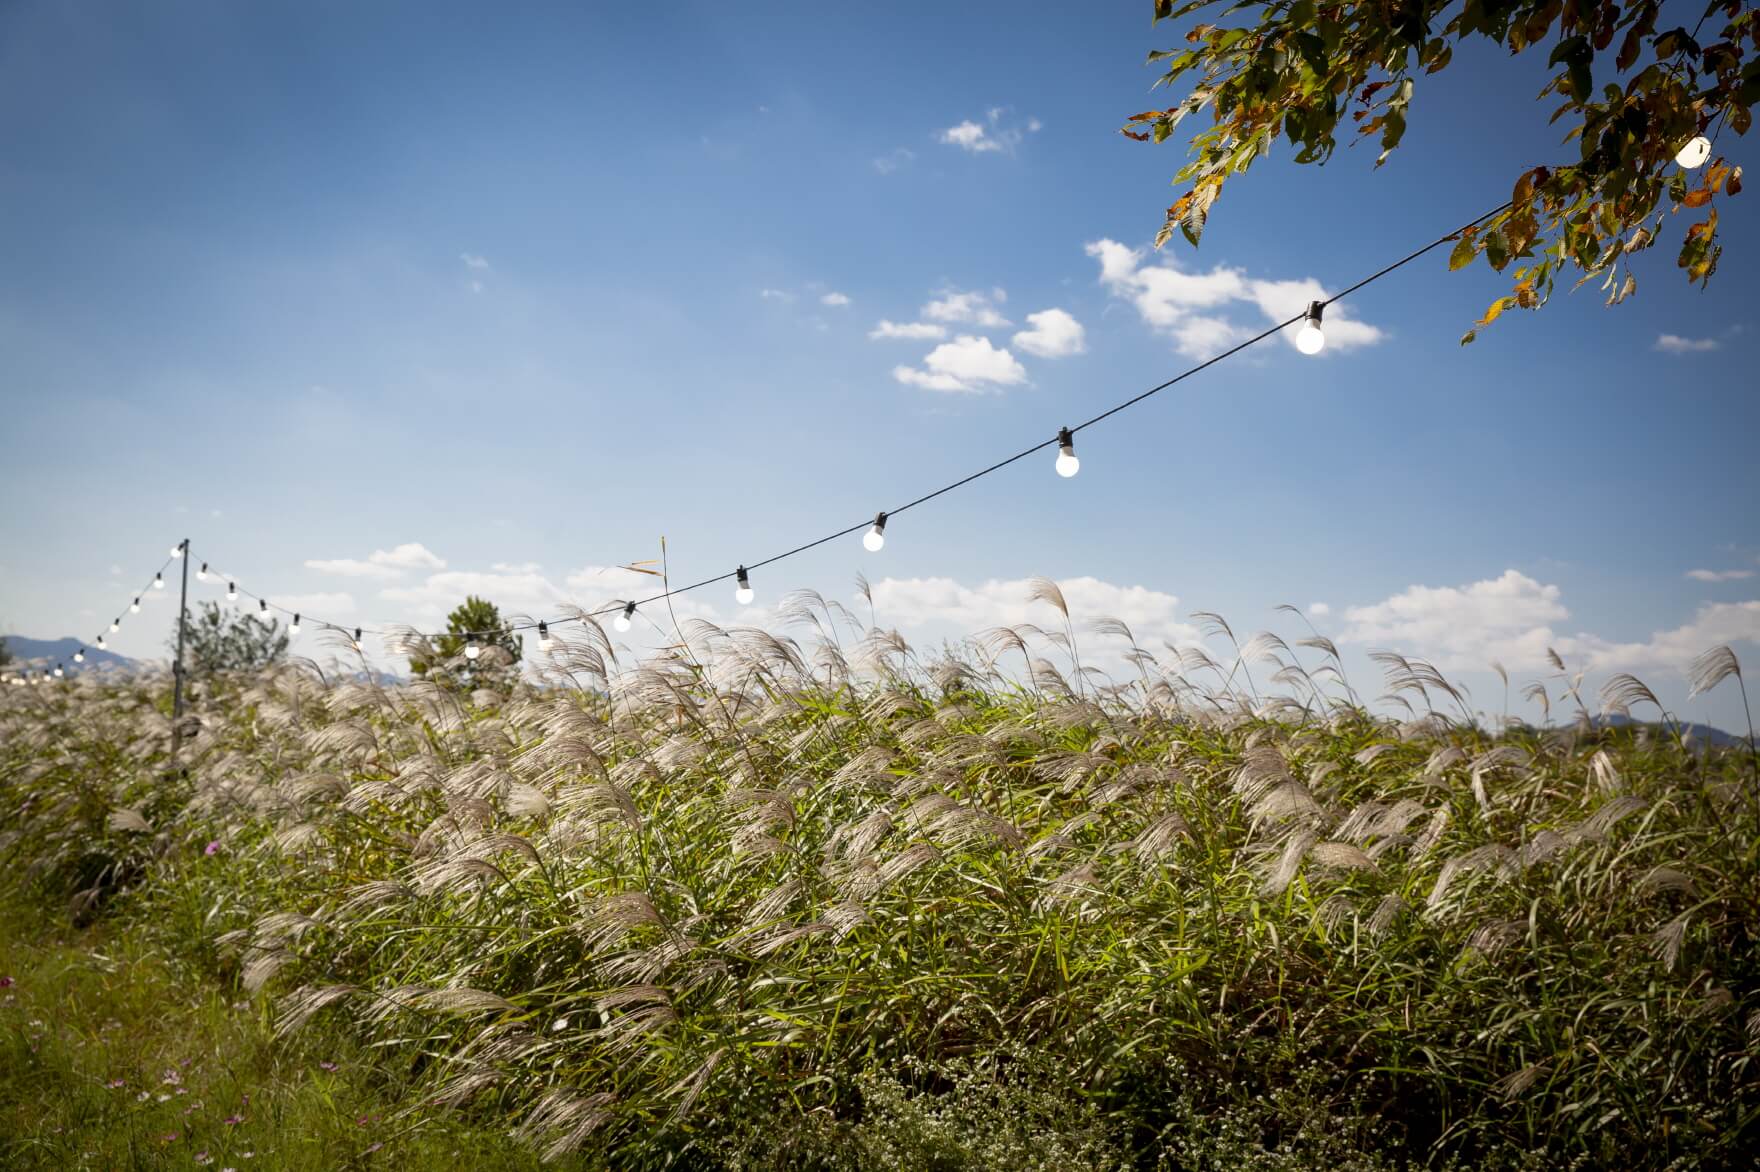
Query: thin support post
x,y
177,666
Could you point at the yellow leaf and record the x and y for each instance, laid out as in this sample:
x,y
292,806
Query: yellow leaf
x,y
1497,308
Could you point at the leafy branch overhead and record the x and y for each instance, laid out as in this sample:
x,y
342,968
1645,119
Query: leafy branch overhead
x,y
1631,98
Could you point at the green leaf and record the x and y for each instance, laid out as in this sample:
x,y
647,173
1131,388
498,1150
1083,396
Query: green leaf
x,y
1463,253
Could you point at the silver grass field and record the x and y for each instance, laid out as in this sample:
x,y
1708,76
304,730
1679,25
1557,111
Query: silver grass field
x,y
818,900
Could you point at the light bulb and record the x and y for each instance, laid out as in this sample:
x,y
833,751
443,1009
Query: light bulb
x,y
1067,463
58,671
1694,153
545,642
743,592
232,592
135,606
621,622
100,642
158,581
79,656
357,638
293,628
875,537
202,574
1309,339
177,550
116,624
471,650
263,609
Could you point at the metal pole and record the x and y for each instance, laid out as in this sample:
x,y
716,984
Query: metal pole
x,y
177,667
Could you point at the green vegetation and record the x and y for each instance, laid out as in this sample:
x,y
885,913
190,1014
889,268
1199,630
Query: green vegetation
x,y
757,905
474,625
1629,89
225,639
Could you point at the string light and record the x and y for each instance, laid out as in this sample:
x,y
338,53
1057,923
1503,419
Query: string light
x,y
177,550
232,592
471,650
263,609
544,640
100,642
875,537
116,624
135,606
158,581
58,672
1067,463
79,655
293,628
357,638
202,574
1309,339
622,621
1694,154
742,593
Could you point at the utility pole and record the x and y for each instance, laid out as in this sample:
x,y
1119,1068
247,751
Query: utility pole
x,y
177,667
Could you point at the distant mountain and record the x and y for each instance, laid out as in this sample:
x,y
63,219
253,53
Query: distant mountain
x,y
1697,732
49,652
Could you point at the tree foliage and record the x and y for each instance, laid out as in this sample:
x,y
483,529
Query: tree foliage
x,y
498,647
1301,70
227,639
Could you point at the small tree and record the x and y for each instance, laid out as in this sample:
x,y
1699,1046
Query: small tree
x,y
219,640
498,647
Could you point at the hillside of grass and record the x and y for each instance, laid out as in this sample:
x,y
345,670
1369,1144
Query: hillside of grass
x,y
756,905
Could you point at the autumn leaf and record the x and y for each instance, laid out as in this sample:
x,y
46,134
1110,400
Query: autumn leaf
x,y
1697,198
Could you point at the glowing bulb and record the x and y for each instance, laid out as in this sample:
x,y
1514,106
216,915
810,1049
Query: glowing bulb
x,y
232,592
263,609
100,642
621,622
177,550
1067,463
158,581
293,628
1309,339
743,592
79,656
875,537
471,650
545,642
135,606
357,638
58,672
115,624
202,574
1694,153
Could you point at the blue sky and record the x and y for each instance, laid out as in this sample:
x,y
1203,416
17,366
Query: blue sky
x,y
532,289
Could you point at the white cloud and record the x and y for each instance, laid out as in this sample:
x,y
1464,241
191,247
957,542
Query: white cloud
x,y
1719,575
989,136
776,295
1169,301
834,298
964,364
115,570
473,261
888,163
515,593
917,602
516,567
1675,344
977,308
916,330
1714,624
381,563
1507,619
1319,610
1054,334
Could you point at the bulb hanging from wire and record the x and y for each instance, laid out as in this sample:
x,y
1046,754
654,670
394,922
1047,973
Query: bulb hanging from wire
x,y
742,593
232,592
158,581
116,624
100,642
875,537
202,574
622,621
545,642
135,606
79,655
1694,154
177,550
357,638
263,609
1309,339
293,628
1067,463
471,650
58,672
